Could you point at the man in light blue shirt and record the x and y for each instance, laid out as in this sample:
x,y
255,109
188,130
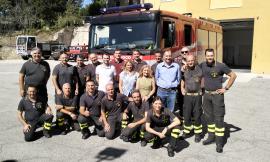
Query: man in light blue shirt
x,y
168,76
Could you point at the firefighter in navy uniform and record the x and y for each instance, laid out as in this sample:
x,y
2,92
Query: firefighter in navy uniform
x,y
36,112
191,90
90,110
112,108
138,109
213,100
67,113
160,123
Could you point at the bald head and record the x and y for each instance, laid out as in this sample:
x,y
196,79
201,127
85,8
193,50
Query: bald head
x,y
110,89
190,61
92,57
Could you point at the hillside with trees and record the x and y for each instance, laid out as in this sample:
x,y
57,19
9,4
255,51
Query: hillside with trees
x,y
30,15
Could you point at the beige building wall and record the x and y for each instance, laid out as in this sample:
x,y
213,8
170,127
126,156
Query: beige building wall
x,y
230,10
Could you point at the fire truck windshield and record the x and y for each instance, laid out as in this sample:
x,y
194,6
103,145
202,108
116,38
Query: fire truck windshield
x,y
126,36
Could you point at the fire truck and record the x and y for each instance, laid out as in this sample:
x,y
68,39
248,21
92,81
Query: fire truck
x,y
138,27
73,51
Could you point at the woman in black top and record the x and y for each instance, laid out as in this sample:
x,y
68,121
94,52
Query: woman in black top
x,y
161,123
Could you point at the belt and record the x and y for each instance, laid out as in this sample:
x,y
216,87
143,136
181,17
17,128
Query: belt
x,y
211,92
194,94
168,89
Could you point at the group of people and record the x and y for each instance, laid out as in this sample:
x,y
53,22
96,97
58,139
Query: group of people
x,y
129,97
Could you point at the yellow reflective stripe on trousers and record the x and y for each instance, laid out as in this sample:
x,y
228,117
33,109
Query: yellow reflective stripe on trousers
x,y
198,129
47,126
187,129
82,126
60,121
175,133
219,131
141,134
211,128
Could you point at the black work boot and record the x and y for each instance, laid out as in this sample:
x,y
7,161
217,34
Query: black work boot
x,y
170,151
85,133
219,143
210,139
156,144
197,138
63,129
143,143
184,135
46,133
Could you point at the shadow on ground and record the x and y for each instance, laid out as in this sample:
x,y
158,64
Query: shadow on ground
x,y
110,153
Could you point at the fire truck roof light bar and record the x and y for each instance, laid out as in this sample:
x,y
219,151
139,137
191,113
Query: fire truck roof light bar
x,y
145,6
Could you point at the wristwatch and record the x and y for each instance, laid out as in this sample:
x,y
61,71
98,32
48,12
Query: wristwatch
x,y
226,88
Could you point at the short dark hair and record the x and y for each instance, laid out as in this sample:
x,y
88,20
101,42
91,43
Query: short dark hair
x,y
157,51
79,56
157,98
32,86
117,49
135,91
90,81
209,50
105,54
136,50
166,50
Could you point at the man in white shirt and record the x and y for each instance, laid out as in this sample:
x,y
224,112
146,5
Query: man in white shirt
x,y
105,73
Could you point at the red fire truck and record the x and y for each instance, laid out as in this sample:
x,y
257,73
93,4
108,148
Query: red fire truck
x,y
73,51
138,27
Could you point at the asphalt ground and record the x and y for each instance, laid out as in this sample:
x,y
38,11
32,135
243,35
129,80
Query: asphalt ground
x,y
247,129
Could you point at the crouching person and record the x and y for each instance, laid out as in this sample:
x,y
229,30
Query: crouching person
x,y
90,110
66,113
112,107
137,110
161,123
32,112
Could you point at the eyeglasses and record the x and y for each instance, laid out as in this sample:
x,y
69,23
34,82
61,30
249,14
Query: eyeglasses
x,y
184,51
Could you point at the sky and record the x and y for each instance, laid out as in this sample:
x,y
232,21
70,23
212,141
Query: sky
x,y
86,2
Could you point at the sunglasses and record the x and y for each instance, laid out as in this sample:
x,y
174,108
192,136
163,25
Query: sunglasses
x,y
184,51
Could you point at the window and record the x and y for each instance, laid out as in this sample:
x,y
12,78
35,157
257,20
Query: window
x,y
187,35
168,33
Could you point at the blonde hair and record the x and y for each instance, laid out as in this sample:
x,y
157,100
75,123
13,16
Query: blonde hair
x,y
125,64
150,72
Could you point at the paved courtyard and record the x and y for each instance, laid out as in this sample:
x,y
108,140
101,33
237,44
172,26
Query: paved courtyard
x,y
247,129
